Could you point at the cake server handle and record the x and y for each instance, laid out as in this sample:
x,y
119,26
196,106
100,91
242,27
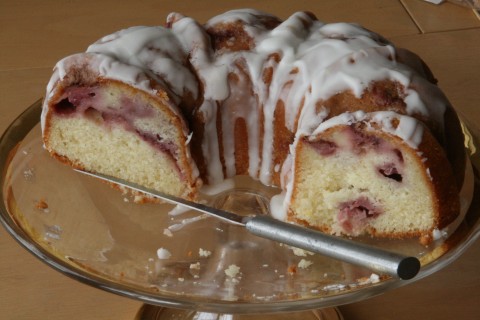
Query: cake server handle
x,y
390,263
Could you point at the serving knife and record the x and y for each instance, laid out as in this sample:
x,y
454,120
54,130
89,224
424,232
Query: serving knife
x,y
373,258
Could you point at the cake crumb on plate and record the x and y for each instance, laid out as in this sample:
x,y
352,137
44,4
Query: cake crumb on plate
x,y
232,270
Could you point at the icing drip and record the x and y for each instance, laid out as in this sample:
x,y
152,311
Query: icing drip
x,y
155,50
408,129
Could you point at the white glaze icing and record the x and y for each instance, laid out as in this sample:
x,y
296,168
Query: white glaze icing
x,y
156,51
408,128
163,254
178,210
277,208
316,61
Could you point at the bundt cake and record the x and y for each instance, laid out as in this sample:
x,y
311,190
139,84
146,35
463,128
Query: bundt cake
x,y
353,130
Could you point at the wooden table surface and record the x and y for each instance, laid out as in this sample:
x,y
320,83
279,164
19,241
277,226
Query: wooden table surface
x,y
35,34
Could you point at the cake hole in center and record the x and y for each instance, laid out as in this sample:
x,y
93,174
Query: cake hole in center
x,y
243,202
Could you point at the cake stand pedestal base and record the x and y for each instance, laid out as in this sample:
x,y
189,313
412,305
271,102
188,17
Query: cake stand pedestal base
x,y
149,312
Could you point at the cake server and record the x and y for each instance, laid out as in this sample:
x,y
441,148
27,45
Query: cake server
x,y
373,258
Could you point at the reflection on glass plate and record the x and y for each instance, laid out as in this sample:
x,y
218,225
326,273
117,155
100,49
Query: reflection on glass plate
x,y
166,256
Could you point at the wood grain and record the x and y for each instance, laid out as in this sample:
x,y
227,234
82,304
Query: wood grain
x,y
444,17
453,57
38,33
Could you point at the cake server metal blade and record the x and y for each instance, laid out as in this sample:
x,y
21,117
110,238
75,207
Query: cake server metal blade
x,y
373,258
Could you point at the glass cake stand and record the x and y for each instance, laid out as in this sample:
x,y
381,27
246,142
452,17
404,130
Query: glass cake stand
x,y
181,264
